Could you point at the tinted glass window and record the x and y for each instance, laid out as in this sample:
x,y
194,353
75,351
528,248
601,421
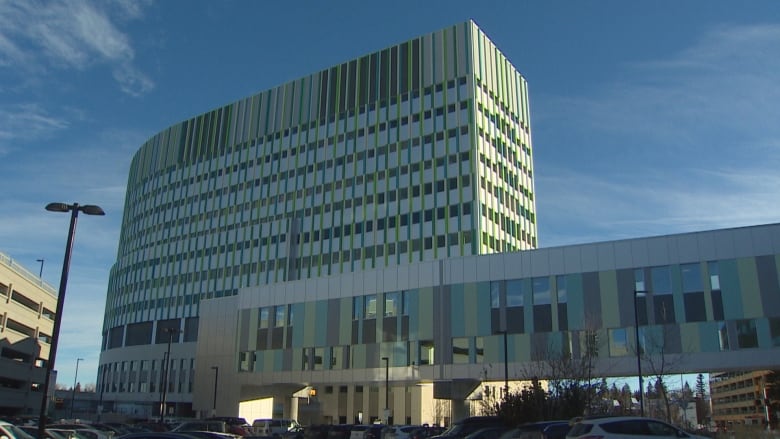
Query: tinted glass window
x,y
631,427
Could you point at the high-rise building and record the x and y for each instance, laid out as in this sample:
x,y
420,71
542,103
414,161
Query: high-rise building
x,y
27,309
418,152
740,398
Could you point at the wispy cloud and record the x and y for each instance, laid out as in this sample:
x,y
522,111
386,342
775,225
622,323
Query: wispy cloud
x,y
685,143
70,34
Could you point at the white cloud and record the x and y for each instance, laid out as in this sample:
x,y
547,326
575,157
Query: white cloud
x,y
70,34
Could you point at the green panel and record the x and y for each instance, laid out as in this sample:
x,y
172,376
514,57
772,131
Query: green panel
x,y
689,337
425,325
358,354
457,307
748,284
519,346
729,286
259,365
269,360
309,323
494,348
610,311
576,304
297,359
345,323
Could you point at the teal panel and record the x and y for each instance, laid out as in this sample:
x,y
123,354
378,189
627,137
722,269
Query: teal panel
x,y
708,337
259,364
576,302
425,326
729,286
458,326
483,308
677,294
358,353
528,308
494,348
321,323
764,336
413,296
299,319
278,360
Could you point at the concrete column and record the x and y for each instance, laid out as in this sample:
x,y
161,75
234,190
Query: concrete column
x,y
460,409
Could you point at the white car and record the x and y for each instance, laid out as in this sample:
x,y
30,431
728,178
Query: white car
x,y
626,427
11,431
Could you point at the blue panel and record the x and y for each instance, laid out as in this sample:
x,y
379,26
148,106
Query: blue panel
x,y
576,302
457,311
729,286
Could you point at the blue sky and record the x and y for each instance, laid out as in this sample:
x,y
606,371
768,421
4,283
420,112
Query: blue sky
x,y
647,118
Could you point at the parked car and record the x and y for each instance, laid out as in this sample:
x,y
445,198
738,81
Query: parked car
x,y
358,431
466,426
376,431
487,433
235,425
340,431
627,427
32,430
556,431
84,430
319,431
13,432
207,426
401,431
270,427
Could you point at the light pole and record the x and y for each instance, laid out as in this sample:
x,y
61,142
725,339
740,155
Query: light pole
x,y
74,209
387,389
506,364
639,354
73,396
40,273
166,369
216,379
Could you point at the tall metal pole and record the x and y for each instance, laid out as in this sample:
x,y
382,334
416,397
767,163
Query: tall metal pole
x,y
216,379
506,368
166,370
387,387
639,356
57,320
40,274
73,396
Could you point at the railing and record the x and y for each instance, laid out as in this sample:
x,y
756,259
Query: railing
x,y
25,273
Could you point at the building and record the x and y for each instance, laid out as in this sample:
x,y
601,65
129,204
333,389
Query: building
x,y
739,397
442,329
415,153
27,310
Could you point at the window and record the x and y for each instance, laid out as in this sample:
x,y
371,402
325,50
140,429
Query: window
x,y
426,352
662,280
392,304
460,350
618,342
723,336
541,290
747,337
639,280
514,293
774,330
370,307
281,313
495,300
357,308
691,278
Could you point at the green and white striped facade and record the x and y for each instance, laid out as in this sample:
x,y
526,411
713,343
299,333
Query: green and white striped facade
x,y
415,153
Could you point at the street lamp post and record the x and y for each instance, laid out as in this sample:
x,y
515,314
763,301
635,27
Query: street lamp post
x,y
387,388
75,378
166,369
40,273
74,209
216,379
638,355
506,363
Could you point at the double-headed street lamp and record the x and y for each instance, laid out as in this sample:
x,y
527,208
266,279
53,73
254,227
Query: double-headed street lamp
x,y
639,354
166,370
74,209
75,378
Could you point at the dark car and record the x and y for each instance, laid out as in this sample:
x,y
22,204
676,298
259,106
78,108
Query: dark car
x,y
375,431
556,431
319,431
466,426
340,431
